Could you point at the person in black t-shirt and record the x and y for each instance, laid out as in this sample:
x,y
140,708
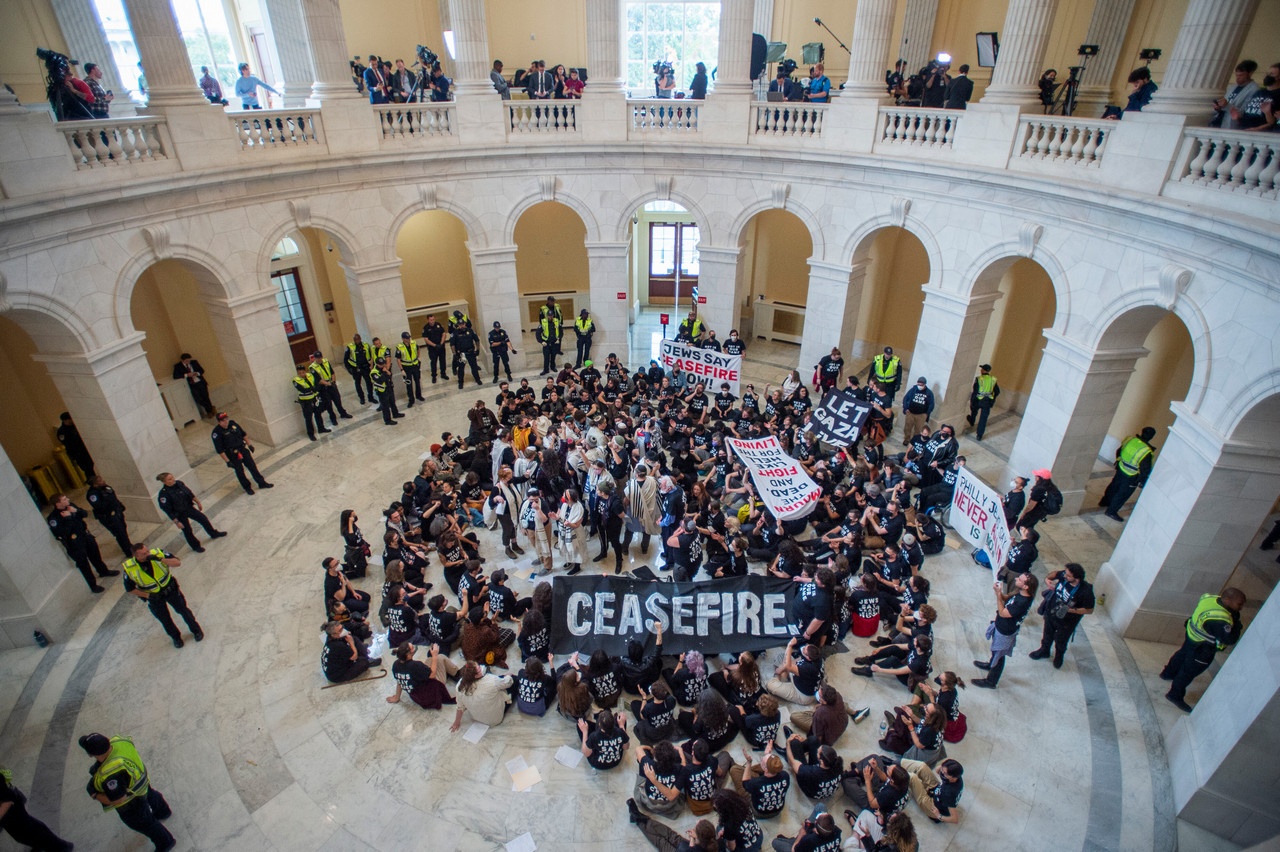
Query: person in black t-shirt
x,y
703,774
760,724
535,689
655,714
739,831
502,601
1003,630
658,784
797,679
937,793
424,683
338,588
400,619
439,625
879,785
818,781
766,785
688,678
604,742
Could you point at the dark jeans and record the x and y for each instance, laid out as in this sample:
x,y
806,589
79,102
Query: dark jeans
x,y
1056,636
362,381
188,533
240,460
159,604
26,830
143,815
1188,663
88,558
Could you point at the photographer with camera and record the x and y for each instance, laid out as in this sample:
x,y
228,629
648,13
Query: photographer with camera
x,y
664,79
70,98
936,81
101,106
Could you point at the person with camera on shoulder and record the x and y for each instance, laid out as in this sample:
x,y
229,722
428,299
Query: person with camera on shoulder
x,y
1067,599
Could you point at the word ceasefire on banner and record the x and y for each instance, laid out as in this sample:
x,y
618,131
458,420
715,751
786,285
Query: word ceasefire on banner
x,y
706,365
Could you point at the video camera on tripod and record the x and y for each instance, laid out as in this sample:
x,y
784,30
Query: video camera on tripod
x,y
1065,103
66,106
427,58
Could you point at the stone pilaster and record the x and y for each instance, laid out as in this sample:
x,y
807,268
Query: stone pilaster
x,y
718,282
163,54
604,102
285,27
1025,36
480,111
872,37
734,76
835,292
607,265
1203,57
917,34
377,298
330,58
493,273
948,347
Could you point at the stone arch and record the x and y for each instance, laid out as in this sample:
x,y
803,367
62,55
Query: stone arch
x,y
984,272
1256,408
623,226
569,200
208,269
860,240
341,234
47,319
803,213
428,201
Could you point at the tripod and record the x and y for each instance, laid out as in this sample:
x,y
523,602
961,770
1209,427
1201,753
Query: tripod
x,y
1065,102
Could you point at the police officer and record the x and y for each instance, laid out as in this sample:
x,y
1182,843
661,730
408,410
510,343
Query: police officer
x,y
499,347
233,446
456,319
109,511
119,782
322,370
25,829
548,333
385,389
66,522
1133,466
189,368
410,367
466,345
886,368
433,337
304,385
183,506
358,359
1213,626
147,576
691,329
584,327
982,398
69,437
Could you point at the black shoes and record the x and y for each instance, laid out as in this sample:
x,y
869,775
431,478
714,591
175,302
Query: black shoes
x,y
198,634
198,549
576,569
862,661
217,534
633,813
1113,516
398,414
982,664
249,491
177,642
345,416
110,572
1179,703
601,557
1037,655
324,431
787,732
266,485
96,589
983,683
862,671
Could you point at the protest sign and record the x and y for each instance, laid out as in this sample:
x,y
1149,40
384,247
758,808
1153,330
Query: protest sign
x,y
706,365
839,418
780,481
978,516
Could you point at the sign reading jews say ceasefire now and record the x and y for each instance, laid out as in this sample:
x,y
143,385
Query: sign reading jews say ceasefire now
x,y
978,516
781,482
705,365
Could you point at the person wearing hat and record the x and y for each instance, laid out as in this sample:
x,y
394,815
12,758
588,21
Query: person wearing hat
x,y
535,524
433,336
465,345
983,397
886,369
66,522
548,332
1133,466
147,576
330,396
119,782
189,368
917,406
410,367
358,358
182,506
233,446
584,327
499,347
304,385
503,602
1045,499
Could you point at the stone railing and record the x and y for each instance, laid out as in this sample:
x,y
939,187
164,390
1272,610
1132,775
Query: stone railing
x,y
529,117
792,121
663,115
1072,141
116,141
416,122
930,128
277,128
1231,161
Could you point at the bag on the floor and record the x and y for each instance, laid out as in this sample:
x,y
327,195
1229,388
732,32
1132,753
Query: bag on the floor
x,y
956,729
379,645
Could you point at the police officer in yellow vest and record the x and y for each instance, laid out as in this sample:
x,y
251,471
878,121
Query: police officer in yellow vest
x,y
584,327
358,359
985,390
119,783
147,576
322,371
383,386
411,367
886,369
304,384
1133,466
1213,626
548,333
691,329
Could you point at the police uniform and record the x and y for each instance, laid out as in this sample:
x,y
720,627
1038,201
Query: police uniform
x,y
886,369
464,342
983,397
122,778
1211,628
69,437
231,442
152,576
25,829
411,367
386,394
433,334
584,328
179,503
690,330
80,545
1133,466
304,385
322,371
500,346
549,329
358,359
109,511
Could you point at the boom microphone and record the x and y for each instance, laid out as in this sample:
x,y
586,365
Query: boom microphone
x,y
818,21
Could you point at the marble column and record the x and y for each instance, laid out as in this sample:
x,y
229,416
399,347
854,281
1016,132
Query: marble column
x,y
1072,403
39,588
607,265
1205,500
948,348
917,34
605,47
719,283
497,299
1107,29
322,20
1207,49
285,28
116,404
82,28
835,292
163,54
377,299
872,37
762,19
1025,36
734,76
481,113
257,355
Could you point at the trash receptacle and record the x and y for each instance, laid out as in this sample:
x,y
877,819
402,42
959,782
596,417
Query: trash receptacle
x,y
44,482
68,473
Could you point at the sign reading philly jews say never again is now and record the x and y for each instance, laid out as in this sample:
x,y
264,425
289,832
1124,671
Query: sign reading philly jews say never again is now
x,y
978,517
783,485
714,616
704,365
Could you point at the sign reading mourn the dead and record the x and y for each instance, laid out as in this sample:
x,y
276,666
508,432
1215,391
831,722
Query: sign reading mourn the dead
x,y
705,365
780,481
839,418
978,516
713,617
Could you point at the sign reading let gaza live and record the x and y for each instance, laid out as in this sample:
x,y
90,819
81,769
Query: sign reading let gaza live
x,y
706,365
715,616
839,418
781,482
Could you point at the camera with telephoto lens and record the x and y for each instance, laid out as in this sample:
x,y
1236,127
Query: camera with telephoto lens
x,y
787,67
426,56
662,67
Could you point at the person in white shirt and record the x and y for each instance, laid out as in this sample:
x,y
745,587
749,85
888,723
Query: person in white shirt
x,y
484,695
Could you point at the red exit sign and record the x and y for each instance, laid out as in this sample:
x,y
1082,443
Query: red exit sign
x,y
622,297
664,319
702,300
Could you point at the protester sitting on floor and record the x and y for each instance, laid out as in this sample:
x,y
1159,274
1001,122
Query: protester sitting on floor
x,y
426,684
655,714
688,678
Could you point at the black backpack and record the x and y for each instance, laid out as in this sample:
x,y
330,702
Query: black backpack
x,y
1052,500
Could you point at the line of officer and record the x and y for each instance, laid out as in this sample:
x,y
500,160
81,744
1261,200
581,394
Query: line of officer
x,y
304,385
118,780
66,522
233,446
585,328
385,389
410,367
183,506
109,511
886,368
322,371
1213,626
1133,466
147,576
358,359
433,336
499,347
983,396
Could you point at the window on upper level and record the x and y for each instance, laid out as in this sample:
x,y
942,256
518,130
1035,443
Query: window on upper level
x,y
204,30
682,32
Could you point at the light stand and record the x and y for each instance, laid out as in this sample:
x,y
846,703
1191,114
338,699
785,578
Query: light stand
x,y
818,21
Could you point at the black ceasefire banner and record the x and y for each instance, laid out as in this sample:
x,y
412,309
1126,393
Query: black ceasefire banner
x,y
838,418
714,616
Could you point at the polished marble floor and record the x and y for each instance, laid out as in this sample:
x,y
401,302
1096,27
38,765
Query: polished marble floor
x,y
253,754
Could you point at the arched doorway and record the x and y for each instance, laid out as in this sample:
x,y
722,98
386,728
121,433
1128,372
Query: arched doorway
x,y
892,265
663,270
774,273
551,260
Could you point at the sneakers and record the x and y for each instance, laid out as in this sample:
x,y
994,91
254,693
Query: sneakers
x,y
1179,703
861,714
576,569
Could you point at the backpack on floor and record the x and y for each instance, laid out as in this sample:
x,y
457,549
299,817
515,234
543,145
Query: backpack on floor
x,y
956,729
